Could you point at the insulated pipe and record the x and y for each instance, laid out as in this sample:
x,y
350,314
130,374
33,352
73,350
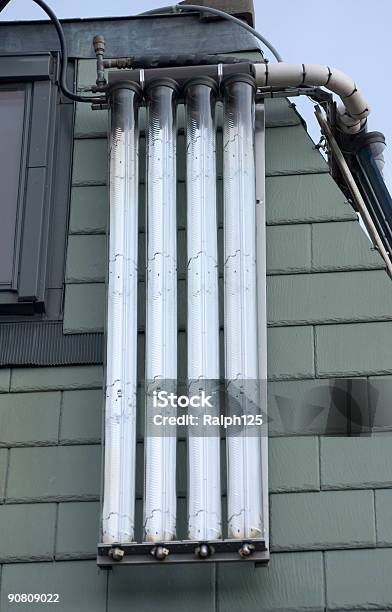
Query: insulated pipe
x,y
204,490
354,109
161,310
121,359
240,306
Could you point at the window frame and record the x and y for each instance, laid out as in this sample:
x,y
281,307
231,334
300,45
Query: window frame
x,y
26,88
44,188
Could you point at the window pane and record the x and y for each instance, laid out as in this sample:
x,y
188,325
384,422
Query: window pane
x,y
11,133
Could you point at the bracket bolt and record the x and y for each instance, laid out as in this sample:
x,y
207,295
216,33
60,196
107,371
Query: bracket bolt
x,y
160,552
203,551
246,550
116,553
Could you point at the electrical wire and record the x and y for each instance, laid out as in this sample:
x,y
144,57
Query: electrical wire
x,y
179,8
64,56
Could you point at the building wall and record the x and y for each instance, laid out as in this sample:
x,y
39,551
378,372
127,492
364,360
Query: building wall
x,y
330,307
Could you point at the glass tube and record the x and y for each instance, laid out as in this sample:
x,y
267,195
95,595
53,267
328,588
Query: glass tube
x,y
121,329
240,306
204,489
161,309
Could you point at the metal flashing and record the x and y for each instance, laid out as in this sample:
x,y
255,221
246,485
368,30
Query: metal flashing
x,y
43,343
128,35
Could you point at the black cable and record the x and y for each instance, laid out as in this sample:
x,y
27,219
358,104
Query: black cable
x,y
176,9
179,8
64,56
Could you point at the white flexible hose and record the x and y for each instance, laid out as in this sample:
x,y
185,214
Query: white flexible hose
x,y
354,109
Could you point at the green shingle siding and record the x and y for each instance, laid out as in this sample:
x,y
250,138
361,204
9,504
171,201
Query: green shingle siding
x,y
318,521
4,380
278,113
302,518
80,585
88,124
48,379
354,349
3,471
289,249
380,402
294,464
383,506
182,587
308,407
54,473
84,307
329,298
34,525
292,581
342,246
81,417
77,528
86,259
356,463
90,162
305,198
290,352
89,210
29,418
290,150
359,579
329,308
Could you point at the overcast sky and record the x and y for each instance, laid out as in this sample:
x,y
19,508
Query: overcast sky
x,y
353,35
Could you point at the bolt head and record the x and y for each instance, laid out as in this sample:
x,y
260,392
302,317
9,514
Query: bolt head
x,y
246,549
203,551
116,553
160,553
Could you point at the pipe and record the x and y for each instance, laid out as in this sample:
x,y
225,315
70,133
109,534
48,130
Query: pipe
x,y
204,491
121,331
240,306
169,61
161,311
99,48
353,111
369,149
351,184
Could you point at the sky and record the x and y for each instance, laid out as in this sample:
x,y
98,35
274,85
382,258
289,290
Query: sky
x,y
352,35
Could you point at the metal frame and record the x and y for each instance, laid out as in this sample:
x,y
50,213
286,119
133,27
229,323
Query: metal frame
x,y
26,88
43,191
261,270
183,551
251,550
